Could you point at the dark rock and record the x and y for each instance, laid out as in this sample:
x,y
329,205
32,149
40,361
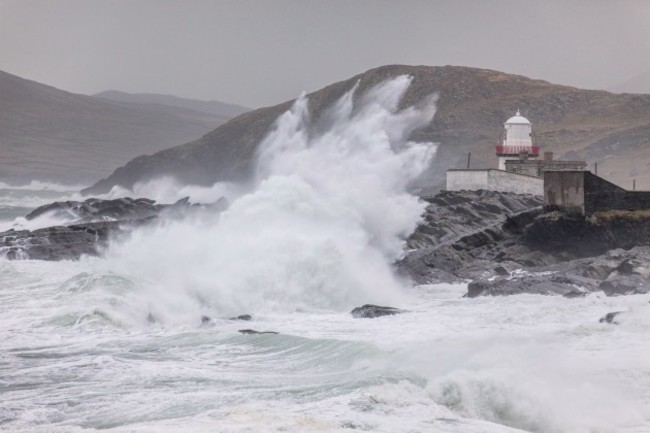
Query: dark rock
x,y
620,284
609,318
92,210
489,238
60,242
627,267
87,227
370,311
205,319
500,270
575,294
252,331
246,317
465,233
558,283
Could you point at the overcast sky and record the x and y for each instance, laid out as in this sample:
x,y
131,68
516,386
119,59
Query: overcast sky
x,y
262,52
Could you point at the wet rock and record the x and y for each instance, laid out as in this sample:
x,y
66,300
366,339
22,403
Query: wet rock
x,y
86,227
93,210
467,234
59,242
370,311
245,317
610,318
537,283
575,294
252,331
505,244
617,285
627,267
500,270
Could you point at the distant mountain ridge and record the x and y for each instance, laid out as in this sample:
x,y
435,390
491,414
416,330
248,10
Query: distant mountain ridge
x,y
50,134
611,129
217,108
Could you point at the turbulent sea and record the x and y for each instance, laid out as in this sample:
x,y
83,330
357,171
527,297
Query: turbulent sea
x,y
116,343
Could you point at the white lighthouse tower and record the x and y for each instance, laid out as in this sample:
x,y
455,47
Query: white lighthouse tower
x,y
517,140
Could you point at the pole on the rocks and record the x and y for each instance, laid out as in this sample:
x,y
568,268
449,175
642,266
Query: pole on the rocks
x,y
469,158
596,168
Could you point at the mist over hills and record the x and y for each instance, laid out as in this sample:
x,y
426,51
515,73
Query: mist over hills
x,y
637,84
611,129
221,109
51,134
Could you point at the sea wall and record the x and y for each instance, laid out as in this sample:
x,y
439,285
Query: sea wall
x,y
493,180
587,193
565,189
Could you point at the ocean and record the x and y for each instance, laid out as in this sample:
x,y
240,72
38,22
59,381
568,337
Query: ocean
x,y
122,342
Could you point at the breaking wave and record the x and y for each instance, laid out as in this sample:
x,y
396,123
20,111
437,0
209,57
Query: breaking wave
x,y
327,215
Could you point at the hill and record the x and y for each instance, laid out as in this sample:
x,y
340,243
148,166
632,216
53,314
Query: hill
x,y
221,109
611,129
51,134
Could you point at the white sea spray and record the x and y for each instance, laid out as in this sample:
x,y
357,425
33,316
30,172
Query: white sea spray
x,y
328,213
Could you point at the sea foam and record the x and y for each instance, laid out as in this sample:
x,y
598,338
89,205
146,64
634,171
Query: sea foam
x,y
327,214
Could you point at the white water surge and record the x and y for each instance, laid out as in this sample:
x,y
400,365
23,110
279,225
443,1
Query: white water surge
x,y
319,230
117,343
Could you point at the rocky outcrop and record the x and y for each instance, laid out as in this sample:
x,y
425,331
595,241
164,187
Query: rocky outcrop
x,y
504,244
86,227
468,234
254,332
370,311
610,318
59,242
93,210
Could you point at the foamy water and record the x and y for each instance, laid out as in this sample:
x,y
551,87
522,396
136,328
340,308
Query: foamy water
x,y
79,356
118,343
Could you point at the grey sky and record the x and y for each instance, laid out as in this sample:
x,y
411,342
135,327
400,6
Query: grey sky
x,y
263,52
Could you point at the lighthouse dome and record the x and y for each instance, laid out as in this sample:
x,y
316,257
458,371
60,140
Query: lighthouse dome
x,y
518,119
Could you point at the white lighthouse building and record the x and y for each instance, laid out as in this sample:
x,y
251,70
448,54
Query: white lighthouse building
x,y
517,141
520,169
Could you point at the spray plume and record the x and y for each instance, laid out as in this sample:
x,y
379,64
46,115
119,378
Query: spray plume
x,y
328,214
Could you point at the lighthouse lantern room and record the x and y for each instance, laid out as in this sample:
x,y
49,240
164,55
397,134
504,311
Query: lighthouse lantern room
x,y
517,141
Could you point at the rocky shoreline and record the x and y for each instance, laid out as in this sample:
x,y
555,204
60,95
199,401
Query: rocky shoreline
x,y
500,243
505,244
85,227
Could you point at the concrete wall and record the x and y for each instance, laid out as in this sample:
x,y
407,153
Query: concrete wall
x,y
493,180
505,181
565,189
538,168
469,180
601,195
588,193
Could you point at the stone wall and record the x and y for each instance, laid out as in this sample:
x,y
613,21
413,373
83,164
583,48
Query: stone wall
x,y
493,180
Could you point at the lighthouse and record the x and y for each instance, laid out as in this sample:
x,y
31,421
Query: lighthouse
x,y
517,141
